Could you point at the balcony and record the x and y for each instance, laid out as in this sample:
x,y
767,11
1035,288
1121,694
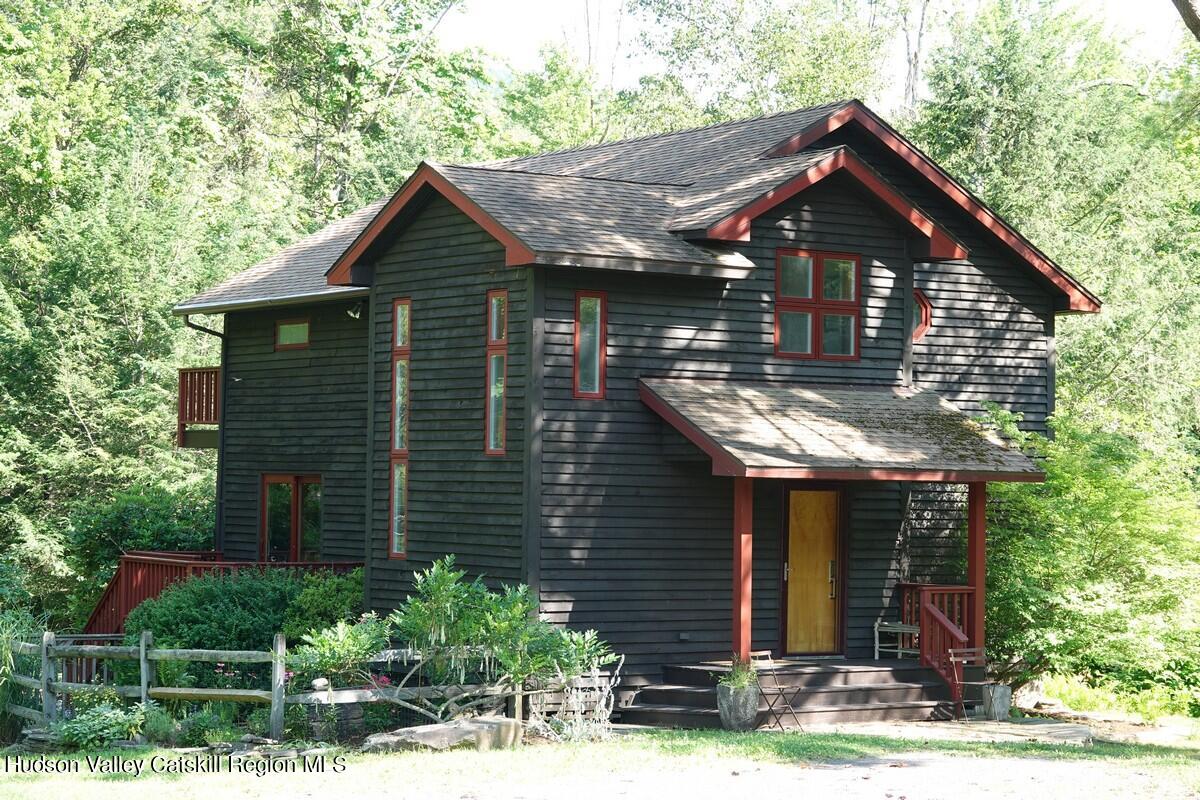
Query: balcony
x,y
199,404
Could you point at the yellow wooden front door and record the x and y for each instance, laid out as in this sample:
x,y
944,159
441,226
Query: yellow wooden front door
x,y
811,572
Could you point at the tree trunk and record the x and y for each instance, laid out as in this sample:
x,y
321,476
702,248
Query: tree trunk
x,y
1191,17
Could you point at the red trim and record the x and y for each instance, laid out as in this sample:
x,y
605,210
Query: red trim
x,y
297,482
817,306
299,345
977,557
743,566
516,252
941,245
494,347
1079,298
926,320
392,552
602,347
868,474
723,462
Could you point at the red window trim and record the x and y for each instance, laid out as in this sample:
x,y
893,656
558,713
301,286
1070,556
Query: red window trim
x,y
300,345
602,377
399,456
494,347
926,309
297,483
817,306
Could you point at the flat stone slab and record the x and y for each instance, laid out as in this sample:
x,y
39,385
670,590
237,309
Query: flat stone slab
x,y
483,733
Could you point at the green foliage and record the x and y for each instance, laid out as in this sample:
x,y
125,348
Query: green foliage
x,y
159,727
202,727
325,598
100,726
741,674
95,698
339,653
19,625
1150,703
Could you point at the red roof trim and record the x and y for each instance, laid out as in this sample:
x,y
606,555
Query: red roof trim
x,y
1079,298
723,462
940,244
516,252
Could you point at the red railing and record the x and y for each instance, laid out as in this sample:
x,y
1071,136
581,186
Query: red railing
x,y
943,614
143,574
199,398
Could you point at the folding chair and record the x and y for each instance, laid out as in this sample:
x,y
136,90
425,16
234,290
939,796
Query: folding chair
x,y
962,659
903,645
776,696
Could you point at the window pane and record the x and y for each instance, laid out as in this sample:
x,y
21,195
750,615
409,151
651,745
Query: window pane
x,y
291,333
837,334
495,407
400,406
837,282
310,522
916,314
589,345
795,278
498,318
279,521
403,324
399,496
795,332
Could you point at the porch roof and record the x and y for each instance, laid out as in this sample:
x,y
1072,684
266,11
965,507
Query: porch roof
x,y
834,432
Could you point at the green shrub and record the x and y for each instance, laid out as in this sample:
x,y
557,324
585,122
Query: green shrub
x,y
15,624
196,729
159,726
326,599
100,726
96,697
339,653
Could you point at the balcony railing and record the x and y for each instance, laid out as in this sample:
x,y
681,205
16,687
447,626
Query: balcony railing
x,y
199,404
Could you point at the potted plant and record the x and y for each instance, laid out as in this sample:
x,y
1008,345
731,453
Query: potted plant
x,y
737,696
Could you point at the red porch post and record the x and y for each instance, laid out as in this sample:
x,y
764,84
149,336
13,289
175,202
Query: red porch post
x,y
977,558
743,539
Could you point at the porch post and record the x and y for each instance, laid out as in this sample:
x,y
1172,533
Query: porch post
x,y
977,557
743,527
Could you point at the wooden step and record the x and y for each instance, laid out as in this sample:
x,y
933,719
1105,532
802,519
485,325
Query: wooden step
x,y
677,716
808,674
850,694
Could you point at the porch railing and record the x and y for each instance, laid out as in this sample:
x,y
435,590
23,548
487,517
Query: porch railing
x,y
199,399
943,614
144,574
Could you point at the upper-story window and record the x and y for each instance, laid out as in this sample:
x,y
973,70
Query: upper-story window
x,y
398,460
922,316
497,371
291,334
817,300
591,344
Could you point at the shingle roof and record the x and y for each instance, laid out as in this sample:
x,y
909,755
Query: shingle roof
x,y
835,431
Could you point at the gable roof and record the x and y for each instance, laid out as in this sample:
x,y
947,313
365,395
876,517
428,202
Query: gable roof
x,y
666,203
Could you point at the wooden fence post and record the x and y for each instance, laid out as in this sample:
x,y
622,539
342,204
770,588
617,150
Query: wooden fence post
x,y
49,706
144,646
278,665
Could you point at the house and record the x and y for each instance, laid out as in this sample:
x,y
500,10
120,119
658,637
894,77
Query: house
x,y
705,391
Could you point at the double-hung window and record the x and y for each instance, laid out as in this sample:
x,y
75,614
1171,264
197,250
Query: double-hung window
x,y
398,461
817,299
591,344
496,349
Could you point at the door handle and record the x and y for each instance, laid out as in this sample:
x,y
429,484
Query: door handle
x,y
832,578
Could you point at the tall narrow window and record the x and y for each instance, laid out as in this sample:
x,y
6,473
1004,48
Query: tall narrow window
x,y
591,344
290,529
817,304
497,371
398,462
922,318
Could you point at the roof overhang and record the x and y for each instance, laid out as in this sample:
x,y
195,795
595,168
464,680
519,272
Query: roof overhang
x,y
249,304
938,244
1079,299
516,252
808,432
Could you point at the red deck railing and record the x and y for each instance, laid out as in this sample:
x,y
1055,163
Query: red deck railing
x,y
143,574
943,614
199,398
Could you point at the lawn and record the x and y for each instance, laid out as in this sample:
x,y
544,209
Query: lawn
x,y
666,764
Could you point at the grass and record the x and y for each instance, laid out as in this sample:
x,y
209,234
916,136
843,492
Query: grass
x,y
657,752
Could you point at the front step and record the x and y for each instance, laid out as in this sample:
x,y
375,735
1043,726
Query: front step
x,y
670,716
820,692
803,696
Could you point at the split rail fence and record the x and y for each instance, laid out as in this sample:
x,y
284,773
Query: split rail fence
x,y
75,664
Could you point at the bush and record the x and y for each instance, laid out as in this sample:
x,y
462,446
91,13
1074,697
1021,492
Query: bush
x,y
15,624
97,697
159,726
100,726
326,599
339,653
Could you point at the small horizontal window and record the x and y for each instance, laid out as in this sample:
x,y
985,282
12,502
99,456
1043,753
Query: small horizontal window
x,y
291,334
